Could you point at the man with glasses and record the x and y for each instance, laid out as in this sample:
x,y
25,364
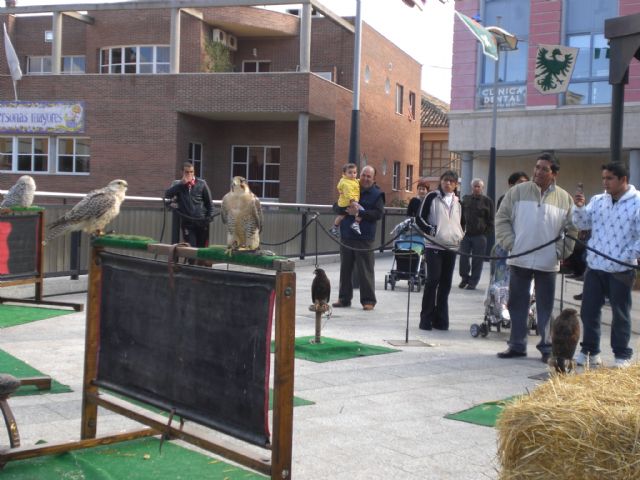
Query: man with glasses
x,y
531,215
193,198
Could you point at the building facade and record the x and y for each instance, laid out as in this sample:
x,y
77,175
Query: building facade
x,y
238,90
575,126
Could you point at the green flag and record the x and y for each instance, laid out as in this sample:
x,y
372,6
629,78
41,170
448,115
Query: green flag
x,y
487,40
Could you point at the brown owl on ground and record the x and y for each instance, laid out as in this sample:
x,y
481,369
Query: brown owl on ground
x,y
242,214
565,335
320,287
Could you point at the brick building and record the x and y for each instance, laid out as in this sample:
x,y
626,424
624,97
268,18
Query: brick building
x,y
138,80
575,125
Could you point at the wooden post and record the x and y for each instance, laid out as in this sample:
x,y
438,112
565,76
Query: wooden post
x,y
283,376
89,421
40,257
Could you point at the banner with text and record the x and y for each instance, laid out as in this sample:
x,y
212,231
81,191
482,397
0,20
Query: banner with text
x,y
41,117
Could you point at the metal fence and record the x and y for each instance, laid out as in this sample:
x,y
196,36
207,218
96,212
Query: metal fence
x,y
145,216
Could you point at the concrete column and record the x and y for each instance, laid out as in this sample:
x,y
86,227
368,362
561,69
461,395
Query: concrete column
x,y
305,38
303,148
634,168
466,172
56,46
174,41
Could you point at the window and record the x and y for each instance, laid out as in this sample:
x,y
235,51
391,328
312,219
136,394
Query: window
x,y
585,25
24,154
399,98
73,155
41,65
408,184
195,156
135,59
436,159
395,185
260,165
38,65
411,113
252,66
514,19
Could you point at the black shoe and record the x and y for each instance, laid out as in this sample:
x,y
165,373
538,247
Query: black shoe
x,y
470,287
425,326
577,297
463,284
545,357
438,327
508,353
340,304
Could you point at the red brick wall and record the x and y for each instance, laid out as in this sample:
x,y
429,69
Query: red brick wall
x,y
465,59
545,24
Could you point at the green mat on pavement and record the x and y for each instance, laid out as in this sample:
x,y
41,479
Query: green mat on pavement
x,y
11,315
16,367
133,460
484,414
332,349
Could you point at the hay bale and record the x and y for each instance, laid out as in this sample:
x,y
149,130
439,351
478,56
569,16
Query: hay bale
x,y
583,427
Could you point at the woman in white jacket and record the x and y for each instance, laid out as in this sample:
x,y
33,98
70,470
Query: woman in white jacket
x,y
439,217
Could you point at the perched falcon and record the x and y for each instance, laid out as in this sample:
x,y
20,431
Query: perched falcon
x,y
21,194
242,214
565,335
320,287
92,213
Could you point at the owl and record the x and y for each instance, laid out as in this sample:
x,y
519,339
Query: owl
x,y
242,214
91,214
565,335
21,194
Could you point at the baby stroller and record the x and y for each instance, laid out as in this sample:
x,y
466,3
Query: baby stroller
x,y
496,313
408,258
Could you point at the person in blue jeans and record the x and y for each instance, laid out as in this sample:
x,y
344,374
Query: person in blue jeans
x,y
531,216
614,220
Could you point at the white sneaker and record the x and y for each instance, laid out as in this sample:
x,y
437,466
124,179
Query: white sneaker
x,y
583,359
355,226
622,363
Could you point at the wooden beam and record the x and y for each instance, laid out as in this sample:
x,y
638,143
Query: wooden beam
x,y
23,453
283,376
158,422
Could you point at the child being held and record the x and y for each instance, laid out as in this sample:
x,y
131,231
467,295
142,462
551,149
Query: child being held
x,y
349,189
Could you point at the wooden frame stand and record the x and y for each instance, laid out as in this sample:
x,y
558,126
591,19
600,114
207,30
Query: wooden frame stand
x,y
280,448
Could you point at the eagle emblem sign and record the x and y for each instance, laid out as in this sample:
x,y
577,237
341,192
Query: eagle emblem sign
x,y
554,66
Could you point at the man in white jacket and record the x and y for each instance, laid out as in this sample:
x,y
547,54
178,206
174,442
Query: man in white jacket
x,y
614,220
531,215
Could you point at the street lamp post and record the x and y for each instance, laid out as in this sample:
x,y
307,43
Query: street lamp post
x,y
506,42
354,138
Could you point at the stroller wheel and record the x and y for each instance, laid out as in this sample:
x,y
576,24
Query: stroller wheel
x,y
484,329
386,281
474,330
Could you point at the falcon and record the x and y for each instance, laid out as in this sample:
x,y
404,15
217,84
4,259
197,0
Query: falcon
x,y
320,288
92,213
565,335
21,194
242,214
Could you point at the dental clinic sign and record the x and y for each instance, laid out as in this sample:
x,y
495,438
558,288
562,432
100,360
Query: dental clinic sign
x,y
508,96
41,117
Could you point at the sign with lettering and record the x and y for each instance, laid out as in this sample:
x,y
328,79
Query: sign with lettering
x,y
41,117
508,96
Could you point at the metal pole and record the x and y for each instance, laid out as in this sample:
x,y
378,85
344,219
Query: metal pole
x,y
617,114
491,181
354,139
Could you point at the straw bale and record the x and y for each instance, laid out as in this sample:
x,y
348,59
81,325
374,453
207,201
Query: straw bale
x,y
583,427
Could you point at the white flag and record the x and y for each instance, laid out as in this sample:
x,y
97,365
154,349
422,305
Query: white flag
x,y
12,58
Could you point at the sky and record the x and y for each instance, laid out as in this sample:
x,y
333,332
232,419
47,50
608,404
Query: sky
x,y
426,35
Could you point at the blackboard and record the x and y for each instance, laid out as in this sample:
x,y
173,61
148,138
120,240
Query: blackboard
x,y
18,246
195,340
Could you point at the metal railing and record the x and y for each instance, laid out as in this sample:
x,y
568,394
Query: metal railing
x,y
148,216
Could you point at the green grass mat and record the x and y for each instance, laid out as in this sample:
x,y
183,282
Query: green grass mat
x,y
133,460
332,349
484,414
11,315
13,366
